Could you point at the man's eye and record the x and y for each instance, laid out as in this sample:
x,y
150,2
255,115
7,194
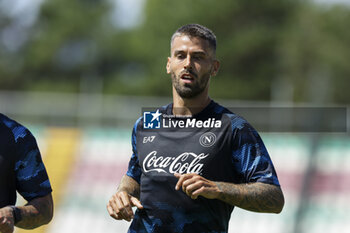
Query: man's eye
x,y
180,56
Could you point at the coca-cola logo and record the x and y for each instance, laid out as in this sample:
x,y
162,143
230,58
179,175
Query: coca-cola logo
x,y
187,162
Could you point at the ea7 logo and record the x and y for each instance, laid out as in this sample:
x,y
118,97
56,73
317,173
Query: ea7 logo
x,y
148,139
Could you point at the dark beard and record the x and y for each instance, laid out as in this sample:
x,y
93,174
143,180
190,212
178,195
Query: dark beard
x,y
189,91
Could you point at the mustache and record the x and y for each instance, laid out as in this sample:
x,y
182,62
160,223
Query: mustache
x,y
191,72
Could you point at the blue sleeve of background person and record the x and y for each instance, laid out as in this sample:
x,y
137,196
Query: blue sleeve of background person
x,y
134,169
31,178
250,156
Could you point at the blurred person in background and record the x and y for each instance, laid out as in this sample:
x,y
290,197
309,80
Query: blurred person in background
x,y
22,170
185,180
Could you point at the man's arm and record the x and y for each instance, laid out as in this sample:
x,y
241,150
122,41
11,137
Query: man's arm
x,y
129,185
35,213
258,197
120,204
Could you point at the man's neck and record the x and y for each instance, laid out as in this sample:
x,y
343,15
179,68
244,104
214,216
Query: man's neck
x,y
189,106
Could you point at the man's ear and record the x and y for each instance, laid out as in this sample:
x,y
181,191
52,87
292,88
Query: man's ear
x,y
168,66
215,69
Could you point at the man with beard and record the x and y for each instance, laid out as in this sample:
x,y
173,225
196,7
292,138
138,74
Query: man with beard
x,y
189,175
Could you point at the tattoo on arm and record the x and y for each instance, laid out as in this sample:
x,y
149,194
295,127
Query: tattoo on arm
x,y
37,212
257,197
130,186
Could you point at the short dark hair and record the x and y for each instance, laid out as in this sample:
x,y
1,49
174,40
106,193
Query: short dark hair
x,y
196,30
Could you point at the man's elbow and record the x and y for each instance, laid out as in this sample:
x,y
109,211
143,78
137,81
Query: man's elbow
x,y
279,202
279,208
48,217
49,214
47,211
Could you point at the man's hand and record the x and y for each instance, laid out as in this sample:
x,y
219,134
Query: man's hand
x,y
6,220
119,206
195,185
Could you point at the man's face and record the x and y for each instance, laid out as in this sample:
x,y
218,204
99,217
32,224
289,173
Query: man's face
x,y
191,64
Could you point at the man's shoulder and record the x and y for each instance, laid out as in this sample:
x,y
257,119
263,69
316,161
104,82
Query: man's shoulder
x,y
6,121
12,127
236,121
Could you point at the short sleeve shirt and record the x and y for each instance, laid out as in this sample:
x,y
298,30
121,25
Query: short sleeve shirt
x,y
216,144
21,165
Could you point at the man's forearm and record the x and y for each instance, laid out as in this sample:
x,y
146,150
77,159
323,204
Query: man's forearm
x,y
37,212
130,186
257,197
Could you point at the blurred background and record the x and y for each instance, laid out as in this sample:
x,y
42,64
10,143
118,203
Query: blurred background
x,y
78,72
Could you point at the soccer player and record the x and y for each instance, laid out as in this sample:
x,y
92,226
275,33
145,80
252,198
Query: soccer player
x,y
188,175
22,170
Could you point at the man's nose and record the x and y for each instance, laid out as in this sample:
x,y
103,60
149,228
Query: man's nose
x,y
188,62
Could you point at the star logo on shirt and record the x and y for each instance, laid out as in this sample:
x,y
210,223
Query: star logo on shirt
x,y
151,120
156,115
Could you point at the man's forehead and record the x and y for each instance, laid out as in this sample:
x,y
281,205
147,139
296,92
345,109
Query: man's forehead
x,y
185,41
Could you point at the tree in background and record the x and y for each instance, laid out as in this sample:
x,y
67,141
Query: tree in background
x,y
314,54
62,46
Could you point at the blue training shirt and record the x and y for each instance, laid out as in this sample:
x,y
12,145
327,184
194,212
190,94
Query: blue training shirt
x,y
216,144
21,166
